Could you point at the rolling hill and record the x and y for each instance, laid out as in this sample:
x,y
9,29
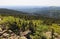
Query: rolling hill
x,y
50,12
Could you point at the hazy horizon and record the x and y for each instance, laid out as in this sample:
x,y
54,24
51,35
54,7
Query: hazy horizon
x,y
29,2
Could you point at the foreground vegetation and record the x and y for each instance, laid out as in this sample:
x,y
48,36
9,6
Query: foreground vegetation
x,y
37,27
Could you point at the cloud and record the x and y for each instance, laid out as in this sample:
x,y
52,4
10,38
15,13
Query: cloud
x,y
29,2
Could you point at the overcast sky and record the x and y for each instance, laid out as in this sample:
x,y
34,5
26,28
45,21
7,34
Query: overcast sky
x,y
29,2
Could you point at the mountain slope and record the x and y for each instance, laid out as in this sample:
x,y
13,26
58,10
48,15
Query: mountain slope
x,y
51,12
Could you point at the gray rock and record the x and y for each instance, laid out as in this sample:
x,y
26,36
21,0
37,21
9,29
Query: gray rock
x,y
5,35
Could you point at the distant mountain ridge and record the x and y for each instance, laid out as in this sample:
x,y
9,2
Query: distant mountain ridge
x,y
10,11
52,12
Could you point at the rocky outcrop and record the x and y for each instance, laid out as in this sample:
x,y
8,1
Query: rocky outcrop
x,y
9,34
48,35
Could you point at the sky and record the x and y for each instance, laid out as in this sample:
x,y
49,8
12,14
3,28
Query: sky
x,y
29,2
